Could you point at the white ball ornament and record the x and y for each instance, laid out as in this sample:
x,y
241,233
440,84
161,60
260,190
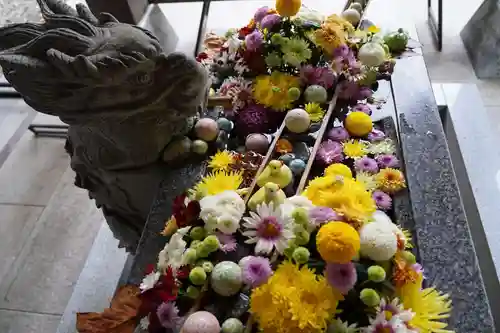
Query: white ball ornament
x,y
206,129
226,278
378,241
356,6
352,16
297,121
201,322
372,54
316,94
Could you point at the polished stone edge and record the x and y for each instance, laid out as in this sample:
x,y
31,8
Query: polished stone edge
x,y
16,124
476,164
98,280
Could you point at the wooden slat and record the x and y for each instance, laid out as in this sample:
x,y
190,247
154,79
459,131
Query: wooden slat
x,y
319,139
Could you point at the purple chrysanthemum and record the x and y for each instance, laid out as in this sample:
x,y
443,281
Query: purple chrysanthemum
x,y
260,14
376,135
342,277
270,21
366,164
322,76
338,134
227,243
363,108
387,161
341,51
168,315
382,200
254,41
256,118
320,215
351,91
256,270
329,152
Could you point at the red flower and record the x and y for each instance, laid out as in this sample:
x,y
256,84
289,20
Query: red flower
x,y
149,269
201,56
183,272
165,290
185,215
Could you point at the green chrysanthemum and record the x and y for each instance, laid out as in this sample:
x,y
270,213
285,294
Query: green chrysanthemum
x,y
273,59
296,51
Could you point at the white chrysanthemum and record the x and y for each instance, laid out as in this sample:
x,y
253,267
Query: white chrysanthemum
x,y
222,211
149,281
297,201
144,323
383,147
269,228
378,241
391,317
367,180
173,253
382,217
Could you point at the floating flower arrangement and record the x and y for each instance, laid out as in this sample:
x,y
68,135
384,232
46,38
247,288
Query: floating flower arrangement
x,y
248,249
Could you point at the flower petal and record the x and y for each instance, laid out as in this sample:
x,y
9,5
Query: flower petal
x,y
264,246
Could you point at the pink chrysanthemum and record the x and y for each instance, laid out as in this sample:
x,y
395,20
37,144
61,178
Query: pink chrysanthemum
x,y
322,76
338,134
256,270
387,161
227,243
168,315
342,277
382,200
320,215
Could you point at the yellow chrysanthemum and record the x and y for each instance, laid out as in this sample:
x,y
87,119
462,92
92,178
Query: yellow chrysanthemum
x,y
337,242
272,90
408,238
335,20
294,300
346,196
170,227
428,305
221,161
329,37
368,180
315,111
217,182
338,169
390,180
355,148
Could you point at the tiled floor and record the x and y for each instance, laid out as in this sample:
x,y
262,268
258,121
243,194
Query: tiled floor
x,y
47,226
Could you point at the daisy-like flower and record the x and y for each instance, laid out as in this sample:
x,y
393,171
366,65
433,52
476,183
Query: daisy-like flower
x,y
149,281
381,147
172,254
295,51
387,161
338,326
315,111
382,200
269,228
168,315
391,317
341,276
355,149
256,270
367,179
221,161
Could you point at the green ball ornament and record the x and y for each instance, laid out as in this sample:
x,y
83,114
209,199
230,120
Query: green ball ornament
x,y
197,276
232,325
409,257
199,147
369,297
376,273
301,255
226,278
192,292
294,93
197,233
190,256
211,243
316,94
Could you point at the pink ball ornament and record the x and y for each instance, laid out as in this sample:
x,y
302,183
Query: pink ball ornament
x,y
206,129
201,322
257,142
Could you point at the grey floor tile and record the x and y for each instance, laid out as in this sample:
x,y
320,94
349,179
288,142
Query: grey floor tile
x,y
44,276
494,116
490,92
16,226
25,322
30,174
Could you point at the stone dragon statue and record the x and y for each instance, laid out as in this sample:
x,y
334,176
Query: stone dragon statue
x,y
125,101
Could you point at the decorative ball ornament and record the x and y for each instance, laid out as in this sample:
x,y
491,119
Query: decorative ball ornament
x,y
232,325
316,94
372,54
297,121
225,124
201,322
257,142
226,278
206,129
199,147
352,15
358,123
356,6
294,93
297,166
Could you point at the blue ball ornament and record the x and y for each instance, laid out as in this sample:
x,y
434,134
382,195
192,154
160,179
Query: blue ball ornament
x,y
225,124
297,166
287,158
